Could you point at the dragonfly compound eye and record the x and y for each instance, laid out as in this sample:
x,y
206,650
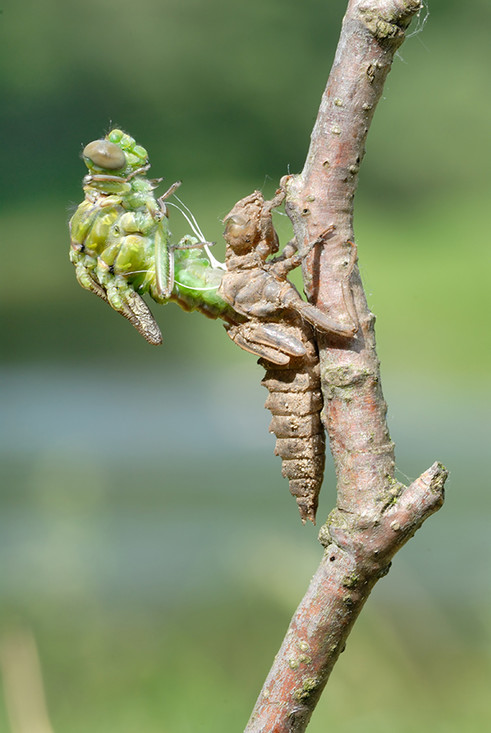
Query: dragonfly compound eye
x,y
240,233
105,154
235,223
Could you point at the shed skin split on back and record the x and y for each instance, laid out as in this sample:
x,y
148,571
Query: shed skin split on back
x,y
257,287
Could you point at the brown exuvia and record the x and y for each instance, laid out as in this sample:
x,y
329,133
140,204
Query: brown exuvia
x,y
280,327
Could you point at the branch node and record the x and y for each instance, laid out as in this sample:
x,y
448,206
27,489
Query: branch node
x,y
390,22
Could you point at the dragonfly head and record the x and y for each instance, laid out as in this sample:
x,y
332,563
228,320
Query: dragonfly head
x,y
117,152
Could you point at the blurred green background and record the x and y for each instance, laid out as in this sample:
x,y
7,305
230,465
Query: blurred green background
x,y
147,538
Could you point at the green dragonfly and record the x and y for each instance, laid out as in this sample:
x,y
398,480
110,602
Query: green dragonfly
x,y
120,240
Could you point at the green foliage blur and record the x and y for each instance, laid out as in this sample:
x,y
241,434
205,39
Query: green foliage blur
x,y
148,540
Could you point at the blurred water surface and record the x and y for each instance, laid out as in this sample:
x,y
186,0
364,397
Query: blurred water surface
x,y
108,482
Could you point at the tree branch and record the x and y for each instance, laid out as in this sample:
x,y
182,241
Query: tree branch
x,y
375,514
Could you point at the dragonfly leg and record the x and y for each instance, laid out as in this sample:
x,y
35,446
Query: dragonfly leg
x,y
267,340
171,190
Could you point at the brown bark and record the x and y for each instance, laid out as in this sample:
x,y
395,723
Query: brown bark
x,y
375,514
